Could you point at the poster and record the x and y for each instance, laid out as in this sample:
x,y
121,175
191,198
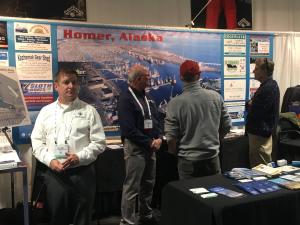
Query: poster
x,y
35,37
253,86
3,35
234,44
222,14
3,59
34,66
22,134
259,45
37,94
13,110
236,111
234,90
252,67
102,57
234,67
44,9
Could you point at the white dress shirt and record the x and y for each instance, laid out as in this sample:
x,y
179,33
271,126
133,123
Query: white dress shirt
x,y
78,125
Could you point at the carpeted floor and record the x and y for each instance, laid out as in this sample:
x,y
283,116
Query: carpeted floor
x,y
115,220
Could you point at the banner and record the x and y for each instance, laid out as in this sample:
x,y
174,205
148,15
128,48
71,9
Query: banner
x,y
45,9
222,14
102,57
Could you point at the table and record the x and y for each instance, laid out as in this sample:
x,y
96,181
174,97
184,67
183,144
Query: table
x,y
234,152
110,173
180,206
110,170
23,170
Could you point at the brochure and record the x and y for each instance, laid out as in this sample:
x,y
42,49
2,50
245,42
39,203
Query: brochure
x,y
257,187
292,185
291,177
242,173
226,192
247,187
267,170
265,186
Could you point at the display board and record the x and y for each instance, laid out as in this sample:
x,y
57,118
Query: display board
x,y
102,54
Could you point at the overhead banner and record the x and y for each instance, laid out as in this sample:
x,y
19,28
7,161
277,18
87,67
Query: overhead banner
x,y
45,9
222,14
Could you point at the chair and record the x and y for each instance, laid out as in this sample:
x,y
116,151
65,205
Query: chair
x,y
288,140
291,95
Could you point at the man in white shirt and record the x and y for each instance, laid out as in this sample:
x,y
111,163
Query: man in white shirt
x,y
67,137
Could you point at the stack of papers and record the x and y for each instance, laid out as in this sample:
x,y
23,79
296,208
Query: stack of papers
x,y
292,185
258,187
267,170
8,156
289,169
243,173
291,177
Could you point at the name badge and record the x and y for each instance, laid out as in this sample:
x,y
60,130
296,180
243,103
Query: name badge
x,y
148,124
60,151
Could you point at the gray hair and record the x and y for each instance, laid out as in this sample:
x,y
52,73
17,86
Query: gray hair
x,y
136,71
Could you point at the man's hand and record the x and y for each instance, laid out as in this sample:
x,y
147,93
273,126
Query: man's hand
x,y
156,143
56,165
72,160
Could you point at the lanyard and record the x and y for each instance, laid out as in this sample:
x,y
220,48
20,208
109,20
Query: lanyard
x,y
66,127
146,100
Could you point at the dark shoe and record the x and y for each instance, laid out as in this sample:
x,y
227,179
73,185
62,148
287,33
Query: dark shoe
x,y
151,221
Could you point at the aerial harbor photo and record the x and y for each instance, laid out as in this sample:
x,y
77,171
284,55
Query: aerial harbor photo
x,y
102,65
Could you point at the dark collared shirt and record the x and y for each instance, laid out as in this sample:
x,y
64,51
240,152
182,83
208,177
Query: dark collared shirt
x,y
263,113
131,119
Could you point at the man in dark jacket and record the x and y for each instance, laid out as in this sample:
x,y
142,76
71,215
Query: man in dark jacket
x,y
263,111
141,134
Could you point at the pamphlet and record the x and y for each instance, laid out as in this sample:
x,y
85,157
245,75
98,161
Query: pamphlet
x,y
267,170
209,195
257,187
292,185
289,169
265,186
243,173
199,190
291,177
8,158
247,187
226,192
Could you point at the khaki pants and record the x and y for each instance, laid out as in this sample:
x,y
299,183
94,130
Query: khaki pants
x,y
260,149
139,182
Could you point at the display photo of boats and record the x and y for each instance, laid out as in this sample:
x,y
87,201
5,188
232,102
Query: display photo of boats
x,y
102,65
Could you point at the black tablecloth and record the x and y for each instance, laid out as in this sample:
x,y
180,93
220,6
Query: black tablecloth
x,y
234,152
181,207
110,172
